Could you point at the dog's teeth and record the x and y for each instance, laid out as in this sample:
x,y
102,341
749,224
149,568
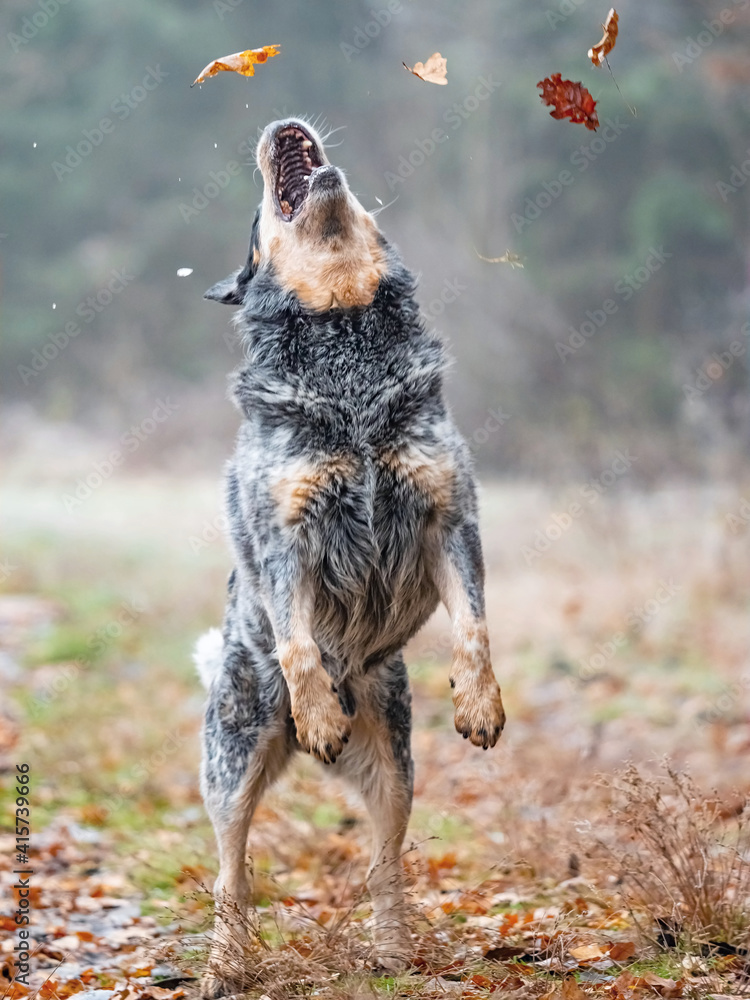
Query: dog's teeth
x,y
306,143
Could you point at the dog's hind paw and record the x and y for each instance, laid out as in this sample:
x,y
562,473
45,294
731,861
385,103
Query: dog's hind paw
x,y
480,716
214,987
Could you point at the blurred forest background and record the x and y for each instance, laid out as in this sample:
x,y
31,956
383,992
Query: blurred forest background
x,y
115,175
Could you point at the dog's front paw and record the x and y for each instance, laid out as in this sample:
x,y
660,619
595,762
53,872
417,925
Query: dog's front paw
x,y
480,716
322,727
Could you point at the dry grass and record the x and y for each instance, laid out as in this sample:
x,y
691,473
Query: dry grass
x,y
116,749
685,861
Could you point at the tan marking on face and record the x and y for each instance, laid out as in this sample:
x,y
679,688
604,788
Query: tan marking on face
x,y
338,272
433,475
302,482
256,256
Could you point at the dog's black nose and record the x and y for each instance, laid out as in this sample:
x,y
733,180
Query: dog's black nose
x,y
326,177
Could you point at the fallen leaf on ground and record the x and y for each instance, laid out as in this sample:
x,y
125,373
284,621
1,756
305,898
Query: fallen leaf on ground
x,y
435,70
239,62
656,984
599,52
571,990
569,100
621,951
503,952
587,953
15,991
53,990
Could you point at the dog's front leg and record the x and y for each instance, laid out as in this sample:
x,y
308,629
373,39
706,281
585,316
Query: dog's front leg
x,y
322,727
459,577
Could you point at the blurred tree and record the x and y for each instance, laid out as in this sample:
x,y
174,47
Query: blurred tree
x,y
114,166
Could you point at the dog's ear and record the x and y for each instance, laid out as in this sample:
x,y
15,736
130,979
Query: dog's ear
x,y
232,290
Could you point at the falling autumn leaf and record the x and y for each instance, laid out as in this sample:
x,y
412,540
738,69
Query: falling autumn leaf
x,y
435,70
599,52
569,100
514,259
238,62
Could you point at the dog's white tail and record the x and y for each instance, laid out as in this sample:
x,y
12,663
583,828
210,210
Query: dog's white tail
x,y
208,655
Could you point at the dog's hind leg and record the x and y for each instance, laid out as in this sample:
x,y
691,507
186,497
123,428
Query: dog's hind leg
x,y
378,762
247,742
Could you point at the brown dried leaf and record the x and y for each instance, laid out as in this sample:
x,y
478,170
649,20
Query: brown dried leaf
x,y
509,257
569,100
239,62
587,953
435,70
621,951
571,990
599,52
655,984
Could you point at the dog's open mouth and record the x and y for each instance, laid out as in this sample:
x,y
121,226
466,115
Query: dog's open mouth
x,y
297,155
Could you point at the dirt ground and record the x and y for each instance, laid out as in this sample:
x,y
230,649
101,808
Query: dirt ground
x,y
619,628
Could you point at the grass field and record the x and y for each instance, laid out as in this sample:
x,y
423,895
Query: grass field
x,y
619,630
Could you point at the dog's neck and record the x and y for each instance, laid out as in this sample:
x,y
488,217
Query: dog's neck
x,y
333,259
338,274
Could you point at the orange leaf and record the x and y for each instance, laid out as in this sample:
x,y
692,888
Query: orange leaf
x,y
587,953
51,989
599,52
15,991
239,62
569,100
571,990
621,951
435,70
437,865
509,920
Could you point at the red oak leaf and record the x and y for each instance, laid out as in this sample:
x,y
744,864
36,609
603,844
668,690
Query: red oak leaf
x,y
569,100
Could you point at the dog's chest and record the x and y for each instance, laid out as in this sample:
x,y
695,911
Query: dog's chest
x,y
350,385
